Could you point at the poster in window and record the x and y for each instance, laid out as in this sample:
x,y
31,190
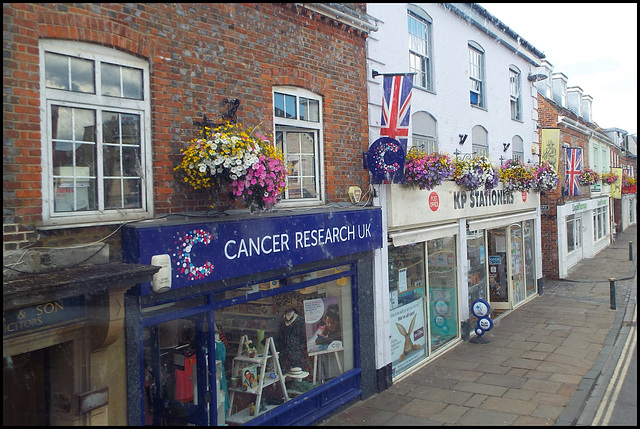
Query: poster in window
x,y
323,324
408,339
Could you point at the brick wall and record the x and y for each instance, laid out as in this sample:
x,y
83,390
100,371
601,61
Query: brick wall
x,y
199,54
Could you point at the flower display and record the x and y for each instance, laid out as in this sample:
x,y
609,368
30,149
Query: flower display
x,y
545,177
474,173
426,171
628,180
516,176
245,161
588,177
609,178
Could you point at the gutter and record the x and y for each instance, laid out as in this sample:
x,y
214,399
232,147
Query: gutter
x,y
500,25
332,10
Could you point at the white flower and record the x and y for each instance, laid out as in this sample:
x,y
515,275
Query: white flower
x,y
202,168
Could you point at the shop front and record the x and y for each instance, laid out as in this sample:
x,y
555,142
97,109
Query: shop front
x,y
264,319
446,248
584,229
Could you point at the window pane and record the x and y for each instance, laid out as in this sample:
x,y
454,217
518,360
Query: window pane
x,y
314,111
132,83
111,160
74,194
86,157
284,105
131,162
85,125
56,71
82,76
110,80
309,187
306,143
443,299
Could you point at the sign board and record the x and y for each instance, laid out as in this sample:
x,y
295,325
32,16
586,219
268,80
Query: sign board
x,y
216,250
41,315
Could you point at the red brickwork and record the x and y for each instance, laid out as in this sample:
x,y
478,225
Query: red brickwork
x,y
199,54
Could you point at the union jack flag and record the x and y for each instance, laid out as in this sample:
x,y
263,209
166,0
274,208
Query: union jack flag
x,y
396,106
573,169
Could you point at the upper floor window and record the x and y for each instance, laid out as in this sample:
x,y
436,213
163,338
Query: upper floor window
x,y
515,98
476,75
298,133
423,132
517,148
96,147
480,141
420,56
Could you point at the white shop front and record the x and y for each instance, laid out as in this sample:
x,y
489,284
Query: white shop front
x,y
445,248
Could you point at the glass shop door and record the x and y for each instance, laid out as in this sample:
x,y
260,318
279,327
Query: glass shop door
x,y
176,372
499,289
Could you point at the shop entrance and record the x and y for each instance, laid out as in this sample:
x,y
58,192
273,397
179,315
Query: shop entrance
x,y
176,388
506,268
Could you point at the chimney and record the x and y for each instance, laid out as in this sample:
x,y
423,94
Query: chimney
x,y
587,100
559,85
574,100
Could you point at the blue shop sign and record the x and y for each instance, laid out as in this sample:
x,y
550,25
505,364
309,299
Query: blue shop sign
x,y
45,314
211,251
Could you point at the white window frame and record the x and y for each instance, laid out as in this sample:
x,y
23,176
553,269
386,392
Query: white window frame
x,y
515,93
424,72
296,124
517,148
599,223
479,147
424,132
98,103
476,75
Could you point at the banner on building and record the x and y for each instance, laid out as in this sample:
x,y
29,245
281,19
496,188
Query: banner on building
x,y
550,147
573,169
616,188
396,112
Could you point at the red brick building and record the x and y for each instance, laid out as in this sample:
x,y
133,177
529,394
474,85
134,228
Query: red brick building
x,y
99,101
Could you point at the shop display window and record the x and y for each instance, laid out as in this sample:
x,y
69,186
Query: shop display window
x,y
406,294
443,298
477,260
529,258
283,345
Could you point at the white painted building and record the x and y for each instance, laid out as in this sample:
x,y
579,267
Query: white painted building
x,y
473,92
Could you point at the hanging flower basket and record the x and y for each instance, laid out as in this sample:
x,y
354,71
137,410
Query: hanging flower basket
x,y
244,161
426,171
609,178
545,177
588,177
471,174
628,180
516,176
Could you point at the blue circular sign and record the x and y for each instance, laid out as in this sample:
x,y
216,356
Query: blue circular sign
x,y
385,158
480,308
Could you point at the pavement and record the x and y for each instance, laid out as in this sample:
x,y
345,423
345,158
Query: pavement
x,y
548,362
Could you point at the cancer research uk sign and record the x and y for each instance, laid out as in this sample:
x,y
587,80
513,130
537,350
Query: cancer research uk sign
x,y
410,206
211,251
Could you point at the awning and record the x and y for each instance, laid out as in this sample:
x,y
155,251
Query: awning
x,y
402,238
497,222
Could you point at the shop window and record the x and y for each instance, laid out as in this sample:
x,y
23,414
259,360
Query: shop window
x,y
599,223
406,294
298,133
529,258
574,233
310,329
96,144
476,254
443,297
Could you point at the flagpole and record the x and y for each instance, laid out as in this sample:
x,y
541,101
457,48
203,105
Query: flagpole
x,y
375,73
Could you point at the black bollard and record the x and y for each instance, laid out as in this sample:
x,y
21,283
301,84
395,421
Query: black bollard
x,y
612,293
631,250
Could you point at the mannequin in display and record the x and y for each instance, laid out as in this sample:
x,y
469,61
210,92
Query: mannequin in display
x,y
291,341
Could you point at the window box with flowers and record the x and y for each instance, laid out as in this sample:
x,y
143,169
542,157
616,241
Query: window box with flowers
x,y
516,176
629,184
230,158
426,171
545,177
588,177
471,174
608,178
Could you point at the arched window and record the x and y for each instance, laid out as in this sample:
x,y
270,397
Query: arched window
x,y
517,148
479,140
424,132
